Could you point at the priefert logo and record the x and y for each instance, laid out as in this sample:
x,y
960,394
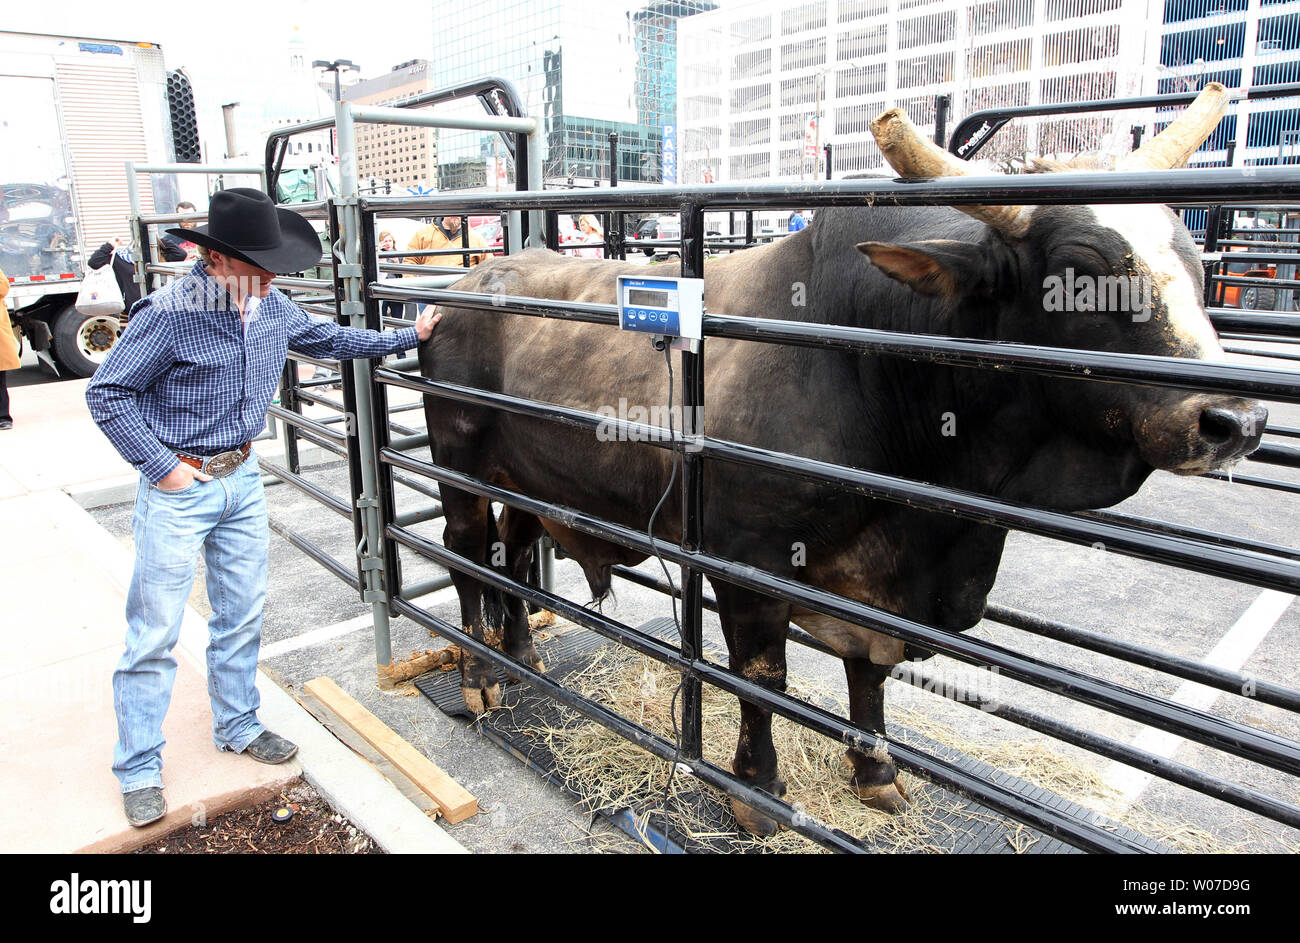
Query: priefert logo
x,y
76,896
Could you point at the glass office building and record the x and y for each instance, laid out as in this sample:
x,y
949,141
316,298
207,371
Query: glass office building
x,y
1243,44
766,85
585,67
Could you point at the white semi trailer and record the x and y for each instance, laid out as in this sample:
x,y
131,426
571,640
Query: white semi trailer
x,y
73,110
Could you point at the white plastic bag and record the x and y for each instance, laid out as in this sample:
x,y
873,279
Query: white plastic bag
x,y
99,294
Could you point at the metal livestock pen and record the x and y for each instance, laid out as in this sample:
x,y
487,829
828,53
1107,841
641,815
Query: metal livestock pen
x,y
377,450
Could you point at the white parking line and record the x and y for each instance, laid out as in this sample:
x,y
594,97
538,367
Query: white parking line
x,y
329,633
1230,654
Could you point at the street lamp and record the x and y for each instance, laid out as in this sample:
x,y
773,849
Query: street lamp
x,y
337,66
820,84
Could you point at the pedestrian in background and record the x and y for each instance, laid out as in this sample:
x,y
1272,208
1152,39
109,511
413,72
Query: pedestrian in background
x,y
590,231
443,233
175,248
392,309
118,253
8,352
797,221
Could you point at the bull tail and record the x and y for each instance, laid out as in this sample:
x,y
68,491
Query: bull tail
x,y
495,601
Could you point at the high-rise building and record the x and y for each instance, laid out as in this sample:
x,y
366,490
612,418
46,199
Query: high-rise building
x,y
1241,43
395,158
763,86
586,68
655,40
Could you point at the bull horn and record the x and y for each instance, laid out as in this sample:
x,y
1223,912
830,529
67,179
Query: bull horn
x,y
911,155
1175,144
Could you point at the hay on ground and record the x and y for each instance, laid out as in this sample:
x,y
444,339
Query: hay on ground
x,y
612,773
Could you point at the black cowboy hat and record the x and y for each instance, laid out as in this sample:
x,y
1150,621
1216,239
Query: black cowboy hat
x,y
244,223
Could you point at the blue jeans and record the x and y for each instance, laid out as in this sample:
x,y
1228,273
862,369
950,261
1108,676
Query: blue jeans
x,y
225,517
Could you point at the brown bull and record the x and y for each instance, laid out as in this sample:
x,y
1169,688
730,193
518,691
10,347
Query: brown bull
x,y
982,272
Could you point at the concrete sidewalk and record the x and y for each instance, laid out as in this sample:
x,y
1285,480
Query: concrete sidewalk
x,y
63,585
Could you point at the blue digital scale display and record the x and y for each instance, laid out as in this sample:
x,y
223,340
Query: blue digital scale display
x,y
673,307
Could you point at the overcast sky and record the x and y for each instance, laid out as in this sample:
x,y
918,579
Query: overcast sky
x,y
230,39
232,48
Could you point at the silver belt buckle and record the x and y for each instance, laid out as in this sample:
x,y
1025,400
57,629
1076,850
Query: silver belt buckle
x,y
221,465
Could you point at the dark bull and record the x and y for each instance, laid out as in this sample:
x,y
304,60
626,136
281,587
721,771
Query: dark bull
x,y
1060,443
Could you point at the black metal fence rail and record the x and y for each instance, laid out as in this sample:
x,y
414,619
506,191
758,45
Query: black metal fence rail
x,y
1232,379
1130,538
1267,184
990,794
1089,690
1240,559
977,129
1204,376
1161,767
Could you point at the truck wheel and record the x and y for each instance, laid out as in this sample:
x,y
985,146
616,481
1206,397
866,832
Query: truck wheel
x,y
81,342
1258,299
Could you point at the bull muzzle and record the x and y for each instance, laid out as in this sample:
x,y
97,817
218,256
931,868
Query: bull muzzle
x,y
1202,434
1232,432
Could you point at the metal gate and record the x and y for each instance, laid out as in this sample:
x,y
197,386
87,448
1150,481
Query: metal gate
x,y
375,445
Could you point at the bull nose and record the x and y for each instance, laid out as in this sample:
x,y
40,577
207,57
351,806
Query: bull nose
x,y
1233,432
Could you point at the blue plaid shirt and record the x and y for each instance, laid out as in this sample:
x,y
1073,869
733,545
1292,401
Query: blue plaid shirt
x,y
187,377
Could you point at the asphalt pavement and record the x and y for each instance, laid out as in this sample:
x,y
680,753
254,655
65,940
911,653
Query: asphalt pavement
x,y
315,625
1118,596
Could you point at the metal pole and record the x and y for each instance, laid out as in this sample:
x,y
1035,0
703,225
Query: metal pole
x,y
1137,131
941,105
133,195
614,248
536,229
228,119
514,237
546,564
1210,248
828,151
692,639
289,400
143,257
380,422
350,305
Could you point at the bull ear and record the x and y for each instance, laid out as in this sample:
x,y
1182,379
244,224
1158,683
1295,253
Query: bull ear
x,y
938,267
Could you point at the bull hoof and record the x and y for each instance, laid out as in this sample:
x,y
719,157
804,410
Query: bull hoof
x,y
756,823
479,700
530,658
890,797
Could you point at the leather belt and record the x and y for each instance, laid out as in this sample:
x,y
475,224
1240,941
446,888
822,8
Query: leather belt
x,y
220,465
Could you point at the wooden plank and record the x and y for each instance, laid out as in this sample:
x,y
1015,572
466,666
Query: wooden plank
x,y
358,745
454,802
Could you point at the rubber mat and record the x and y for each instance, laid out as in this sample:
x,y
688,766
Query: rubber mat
x,y
964,827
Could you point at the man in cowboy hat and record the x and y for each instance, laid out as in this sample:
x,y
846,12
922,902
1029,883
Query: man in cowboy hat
x,y
180,396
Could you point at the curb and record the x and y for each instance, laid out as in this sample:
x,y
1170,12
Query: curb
x,y
345,780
